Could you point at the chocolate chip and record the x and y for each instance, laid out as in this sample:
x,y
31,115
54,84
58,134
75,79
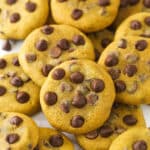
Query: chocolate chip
x,y
122,43
16,81
7,46
111,60
130,70
55,52
104,2
92,135
124,3
77,77
56,140
141,45
97,85
46,69
30,6
106,131
146,3
31,58
120,86
42,45
50,98
78,40
77,14
65,107
105,42
133,2
147,21
79,100
129,120
22,97
139,145
63,44
3,63
58,74
77,121
92,98
114,73
65,87
2,90
12,138
15,17
16,120
10,2
47,29
135,25
15,61
36,148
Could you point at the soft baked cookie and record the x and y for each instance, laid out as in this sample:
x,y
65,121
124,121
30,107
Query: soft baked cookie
x,y
18,132
135,25
100,40
122,117
128,62
75,94
134,139
49,46
87,15
19,17
17,92
51,139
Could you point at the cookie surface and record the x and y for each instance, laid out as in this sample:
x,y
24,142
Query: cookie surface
x,y
51,139
49,46
135,139
17,92
89,15
19,18
75,95
127,61
122,118
16,132
135,25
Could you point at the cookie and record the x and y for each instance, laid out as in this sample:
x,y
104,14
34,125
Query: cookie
x,y
136,139
17,92
122,118
76,93
127,61
18,132
100,40
51,139
89,15
19,18
49,46
135,25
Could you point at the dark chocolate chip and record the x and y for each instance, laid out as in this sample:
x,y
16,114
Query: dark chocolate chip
x,y
104,2
63,44
77,14
22,97
36,148
58,74
10,2
15,61
141,45
114,73
105,42
77,121
106,131
92,135
15,17
77,77
135,25
56,140
133,2
12,138
147,21
7,46
130,70
65,107
47,29
129,120
124,3
122,44
30,6
42,45
55,52
78,40
16,120
2,90
3,63
50,98
139,145
46,69
120,86
111,60
31,58
16,81
146,3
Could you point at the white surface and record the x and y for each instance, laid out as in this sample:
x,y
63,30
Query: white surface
x,y
39,118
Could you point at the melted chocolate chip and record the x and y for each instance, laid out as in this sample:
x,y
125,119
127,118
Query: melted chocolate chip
x,y
15,61
130,70
92,135
10,2
77,121
16,81
46,69
147,21
63,44
129,120
58,74
133,2
55,52
42,45
47,29
104,2
135,25
114,73
65,107
77,14
31,58
123,44
141,45
146,3
139,145
3,63
7,46
77,77
78,40
2,90
22,97
50,98
120,86
30,6
106,131
111,60
15,17
105,42
12,138
56,140
16,120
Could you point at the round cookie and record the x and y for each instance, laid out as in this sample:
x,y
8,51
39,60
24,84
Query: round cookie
x,y
128,62
122,118
51,139
89,15
17,92
134,139
49,46
18,132
135,25
100,41
75,94
18,18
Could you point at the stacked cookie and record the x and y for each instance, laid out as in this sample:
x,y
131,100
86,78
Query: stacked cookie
x,y
87,81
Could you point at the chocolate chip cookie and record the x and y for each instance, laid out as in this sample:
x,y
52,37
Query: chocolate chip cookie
x,y
122,118
18,132
49,46
17,92
127,60
19,18
87,15
75,94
